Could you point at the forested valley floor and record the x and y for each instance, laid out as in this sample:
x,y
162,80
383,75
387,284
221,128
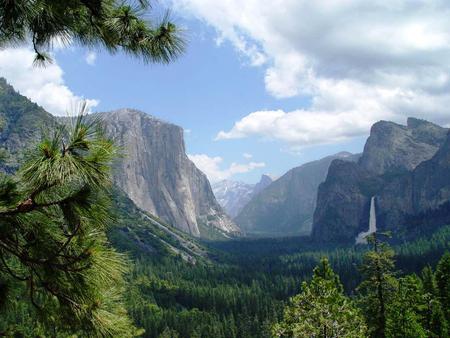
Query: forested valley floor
x,y
243,290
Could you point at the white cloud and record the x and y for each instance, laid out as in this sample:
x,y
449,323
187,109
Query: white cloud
x,y
211,166
90,58
43,85
247,156
357,61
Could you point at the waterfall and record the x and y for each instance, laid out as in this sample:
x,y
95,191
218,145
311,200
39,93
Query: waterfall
x,y
361,238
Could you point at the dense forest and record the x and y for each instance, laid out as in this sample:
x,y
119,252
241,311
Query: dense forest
x,y
244,287
242,292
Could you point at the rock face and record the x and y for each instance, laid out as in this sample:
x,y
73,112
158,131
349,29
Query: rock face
x,y
393,147
286,206
154,170
394,157
234,195
159,178
431,180
424,189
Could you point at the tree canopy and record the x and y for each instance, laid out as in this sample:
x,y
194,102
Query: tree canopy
x,y
53,248
321,309
110,24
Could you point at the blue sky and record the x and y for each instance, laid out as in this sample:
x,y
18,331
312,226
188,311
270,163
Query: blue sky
x,y
263,86
205,91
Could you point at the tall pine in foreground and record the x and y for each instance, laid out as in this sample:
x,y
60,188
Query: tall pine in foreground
x,y
404,318
433,315
321,309
378,285
53,247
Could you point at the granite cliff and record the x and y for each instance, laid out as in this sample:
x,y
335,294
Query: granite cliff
x,y
395,160
159,178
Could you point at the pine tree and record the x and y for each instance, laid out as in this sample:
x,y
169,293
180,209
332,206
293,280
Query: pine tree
x,y
429,282
436,324
110,24
403,312
321,309
443,284
433,316
53,217
378,285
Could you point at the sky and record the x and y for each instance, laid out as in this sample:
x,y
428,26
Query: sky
x,y
265,86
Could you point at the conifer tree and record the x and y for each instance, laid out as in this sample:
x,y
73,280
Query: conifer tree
x,y
53,215
378,285
110,24
321,309
436,325
433,316
403,311
428,282
443,283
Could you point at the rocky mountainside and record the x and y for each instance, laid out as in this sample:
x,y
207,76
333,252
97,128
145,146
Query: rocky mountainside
x,y
154,170
392,147
158,176
286,206
139,232
426,189
234,195
394,158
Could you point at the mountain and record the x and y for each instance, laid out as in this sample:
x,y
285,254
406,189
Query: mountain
x,y
159,178
234,195
138,232
286,206
154,170
263,183
392,147
423,193
22,123
394,158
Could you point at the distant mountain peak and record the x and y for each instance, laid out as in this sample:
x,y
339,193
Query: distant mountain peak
x,y
267,177
285,207
234,195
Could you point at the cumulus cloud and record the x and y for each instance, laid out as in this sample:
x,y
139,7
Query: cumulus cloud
x,y
247,156
358,62
90,58
43,85
212,167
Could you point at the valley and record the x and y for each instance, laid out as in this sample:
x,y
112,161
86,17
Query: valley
x,y
198,272
224,169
